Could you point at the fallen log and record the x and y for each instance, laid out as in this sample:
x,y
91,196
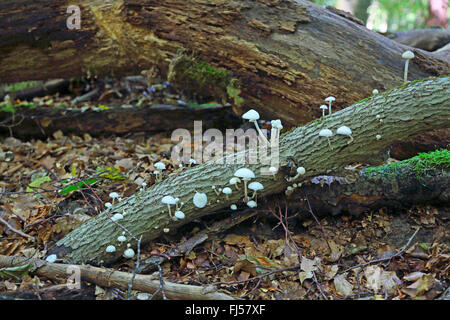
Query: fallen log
x,y
114,279
280,57
398,185
430,39
404,111
42,122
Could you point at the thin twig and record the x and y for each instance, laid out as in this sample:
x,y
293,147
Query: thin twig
x,y
383,259
10,227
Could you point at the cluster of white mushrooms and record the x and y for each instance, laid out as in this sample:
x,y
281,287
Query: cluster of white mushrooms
x,y
245,175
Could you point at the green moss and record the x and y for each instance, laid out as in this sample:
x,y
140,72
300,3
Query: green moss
x,y
421,164
234,92
206,80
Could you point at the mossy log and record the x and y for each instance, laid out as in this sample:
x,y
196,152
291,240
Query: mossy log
x,y
398,185
280,57
404,111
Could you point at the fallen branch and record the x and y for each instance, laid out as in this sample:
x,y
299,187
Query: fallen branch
x,y
115,279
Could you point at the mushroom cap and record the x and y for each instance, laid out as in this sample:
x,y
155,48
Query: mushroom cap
x,y
179,215
330,99
108,205
113,195
273,169
375,91
233,207
110,249
235,180
160,166
255,186
408,55
169,200
276,124
324,107
129,253
344,130
251,204
326,133
53,257
121,239
378,137
244,173
301,170
116,217
251,115
200,200
227,190
192,161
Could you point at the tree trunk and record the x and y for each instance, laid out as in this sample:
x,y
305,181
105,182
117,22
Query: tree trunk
x,y
404,111
281,57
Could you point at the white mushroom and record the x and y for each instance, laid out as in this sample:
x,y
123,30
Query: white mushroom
x,y
110,249
407,55
378,137
121,238
191,162
227,191
235,181
345,131
53,257
169,200
129,253
159,169
276,129
273,171
330,100
300,171
327,133
116,217
253,116
324,108
179,215
255,186
108,205
375,91
233,207
246,175
113,196
200,200
252,204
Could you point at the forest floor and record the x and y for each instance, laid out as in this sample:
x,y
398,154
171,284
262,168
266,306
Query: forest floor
x,y
49,187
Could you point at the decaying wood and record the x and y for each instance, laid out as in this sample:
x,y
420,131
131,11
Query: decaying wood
x,y
284,56
400,189
42,122
405,111
115,279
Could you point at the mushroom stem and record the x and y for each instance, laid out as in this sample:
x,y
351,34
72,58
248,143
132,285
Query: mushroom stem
x,y
351,139
329,144
405,75
245,190
170,212
329,107
260,132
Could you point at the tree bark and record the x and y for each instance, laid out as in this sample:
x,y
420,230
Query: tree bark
x,y
284,56
405,111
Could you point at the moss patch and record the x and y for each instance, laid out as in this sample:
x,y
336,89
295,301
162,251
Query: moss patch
x,y
421,164
207,81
